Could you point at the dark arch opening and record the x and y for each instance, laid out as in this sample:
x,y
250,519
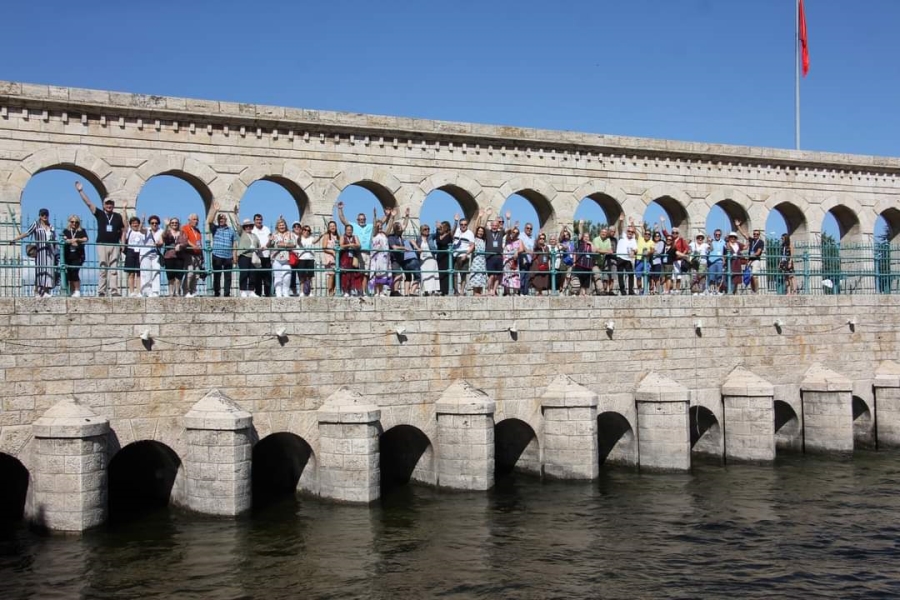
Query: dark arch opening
x,y
202,190
794,220
733,212
860,408
846,219
441,205
784,414
141,478
611,427
675,212
279,460
13,489
511,438
702,420
293,189
381,193
400,447
538,202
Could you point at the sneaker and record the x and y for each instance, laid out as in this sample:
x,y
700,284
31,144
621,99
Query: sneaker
x,y
346,295
188,295
46,295
134,295
75,294
253,295
243,294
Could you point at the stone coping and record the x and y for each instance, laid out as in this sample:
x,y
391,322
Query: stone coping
x,y
744,383
821,379
347,406
71,98
887,375
659,388
461,398
69,419
217,412
565,392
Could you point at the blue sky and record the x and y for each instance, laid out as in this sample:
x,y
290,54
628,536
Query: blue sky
x,y
696,70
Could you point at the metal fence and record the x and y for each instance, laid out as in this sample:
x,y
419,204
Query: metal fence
x,y
819,268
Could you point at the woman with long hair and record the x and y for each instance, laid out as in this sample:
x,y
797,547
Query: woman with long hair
x,y
176,245
248,249
443,242
74,238
351,275
428,266
44,249
511,251
329,246
282,243
478,263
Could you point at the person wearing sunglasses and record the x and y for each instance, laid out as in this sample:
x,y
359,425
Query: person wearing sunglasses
x,y
74,239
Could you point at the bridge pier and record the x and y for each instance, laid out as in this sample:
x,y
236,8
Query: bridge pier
x,y
887,405
219,454
570,430
826,400
749,417
664,440
70,476
465,438
348,448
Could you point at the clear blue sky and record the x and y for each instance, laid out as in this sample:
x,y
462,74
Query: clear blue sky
x,y
697,70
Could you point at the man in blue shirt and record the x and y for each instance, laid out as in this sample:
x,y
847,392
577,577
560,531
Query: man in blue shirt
x,y
224,247
716,264
363,231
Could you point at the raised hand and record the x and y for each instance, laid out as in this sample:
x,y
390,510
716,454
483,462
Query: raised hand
x,y
622,218
508,215
406,212
456,217
340,205
79,187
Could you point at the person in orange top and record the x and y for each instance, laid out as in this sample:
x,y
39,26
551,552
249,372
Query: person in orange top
x,y
193,261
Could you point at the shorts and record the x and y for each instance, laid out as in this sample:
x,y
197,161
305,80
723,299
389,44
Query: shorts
x,y
411,270
306,267
363,261
755,266
495,264
132,261
72,273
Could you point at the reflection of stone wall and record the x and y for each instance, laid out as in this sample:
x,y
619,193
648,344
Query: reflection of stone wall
x,y
118,141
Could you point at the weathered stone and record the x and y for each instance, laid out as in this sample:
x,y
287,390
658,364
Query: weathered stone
x,y
465,438
827,404
570,431
749,417
663,418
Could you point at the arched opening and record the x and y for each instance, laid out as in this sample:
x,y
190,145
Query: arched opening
x,y
786,218
703,422
615,439
724,215
13,489
274,197
443,204
365,197
840,222
402,449
53,189
598,211
141,478
528,206
863,424
886,251
515,448
787,426
674,212
840,260
280,460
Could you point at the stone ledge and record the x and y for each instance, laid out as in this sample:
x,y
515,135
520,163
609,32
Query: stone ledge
x,y
565,392
820,379
659,388
217,412
69,419
461,398
743,383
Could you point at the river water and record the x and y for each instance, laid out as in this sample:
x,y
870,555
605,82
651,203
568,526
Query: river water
x,y
804,527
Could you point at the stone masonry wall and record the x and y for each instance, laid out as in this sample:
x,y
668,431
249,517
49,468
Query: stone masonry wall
x,y
55,349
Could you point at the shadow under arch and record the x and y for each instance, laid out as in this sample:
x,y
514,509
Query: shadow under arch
x,y
676,212
294,190
401,448
615,439
787,426
702,421
13,489
516,448
735,212
891,218
863,424
847,220
141,478
279,462
793,216
466,200
609,205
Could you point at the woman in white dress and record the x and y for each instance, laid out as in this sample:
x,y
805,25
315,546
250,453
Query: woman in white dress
x,y
431,285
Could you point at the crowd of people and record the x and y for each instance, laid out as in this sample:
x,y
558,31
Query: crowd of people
x,y
487,256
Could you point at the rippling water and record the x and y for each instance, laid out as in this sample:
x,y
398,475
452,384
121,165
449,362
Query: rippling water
x,y
805,527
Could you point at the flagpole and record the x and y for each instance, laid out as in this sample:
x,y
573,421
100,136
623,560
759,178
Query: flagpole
x,y
797,74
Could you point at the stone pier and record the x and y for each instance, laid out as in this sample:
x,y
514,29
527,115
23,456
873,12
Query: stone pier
x,y
749,417
827,405
70,491
887,405
349,468
465,438
663,419
219,453
570,430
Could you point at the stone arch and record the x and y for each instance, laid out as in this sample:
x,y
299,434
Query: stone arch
x,y
94,169
516,447
863,423
793,208
378,181
14,480
143,475
283,463
292,178
198,175
406,454
787,426
538,192
675,202
703,422
888,209
848,213
736,204
464,189
612,199
616,441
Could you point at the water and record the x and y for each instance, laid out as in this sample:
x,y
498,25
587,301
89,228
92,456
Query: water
x,y
805,527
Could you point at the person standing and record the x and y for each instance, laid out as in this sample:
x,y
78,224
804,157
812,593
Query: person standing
x,y
755,248
493,249
151,248
626,251
110,227
44,253
363,233
74,238
193,255
527,241
248,257
263,281
428,265
283,243
224,248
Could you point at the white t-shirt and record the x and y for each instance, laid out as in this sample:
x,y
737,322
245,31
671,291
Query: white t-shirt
x,y
625,246
306,243
701,249
134,240
262,234
462,241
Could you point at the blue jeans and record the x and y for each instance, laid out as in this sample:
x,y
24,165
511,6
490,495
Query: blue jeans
x,y
715,273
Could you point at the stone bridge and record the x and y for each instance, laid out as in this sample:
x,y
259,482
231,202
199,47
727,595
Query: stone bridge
x,y
118,141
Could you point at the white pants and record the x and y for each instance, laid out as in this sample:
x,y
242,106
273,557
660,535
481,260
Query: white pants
x,y
150,275
281,276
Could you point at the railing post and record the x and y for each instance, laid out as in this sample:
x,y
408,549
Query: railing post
x,y
63,276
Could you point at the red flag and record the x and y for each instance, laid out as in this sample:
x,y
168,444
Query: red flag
x,y
804,41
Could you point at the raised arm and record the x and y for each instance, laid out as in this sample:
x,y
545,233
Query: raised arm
x,y
84,198
620,226
343,220
211,215
742,229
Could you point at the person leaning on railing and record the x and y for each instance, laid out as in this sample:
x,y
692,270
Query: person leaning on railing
x,y
44,253
224,247
74,239
110,227
248,260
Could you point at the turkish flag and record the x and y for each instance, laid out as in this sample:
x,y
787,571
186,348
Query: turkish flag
x,y
804,41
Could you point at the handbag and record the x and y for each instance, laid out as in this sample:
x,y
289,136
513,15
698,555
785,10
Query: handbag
x,y
293,260
355,263
255,260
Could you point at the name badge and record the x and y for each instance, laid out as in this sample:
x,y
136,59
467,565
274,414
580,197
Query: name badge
x,y
109,229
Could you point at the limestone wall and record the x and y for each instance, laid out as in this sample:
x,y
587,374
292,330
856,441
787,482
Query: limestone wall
x,y
55,349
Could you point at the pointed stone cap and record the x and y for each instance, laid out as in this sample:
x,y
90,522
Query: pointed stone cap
x,y
347,406
565,392
461,398
69,419
659,388
887,375
820,379
741,382
217,412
